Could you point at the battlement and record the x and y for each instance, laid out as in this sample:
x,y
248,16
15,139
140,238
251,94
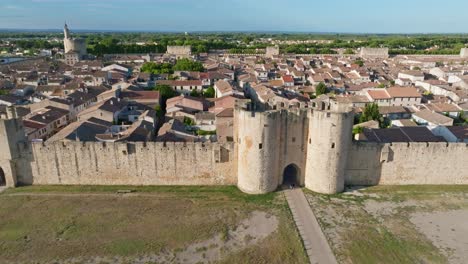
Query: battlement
x,y
330,106
11,113
131,147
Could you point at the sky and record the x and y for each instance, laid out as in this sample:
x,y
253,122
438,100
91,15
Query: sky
x,y
334,16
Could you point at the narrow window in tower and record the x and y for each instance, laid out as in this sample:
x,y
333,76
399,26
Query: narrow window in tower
x,y
333,145
293,139
260,146
310,140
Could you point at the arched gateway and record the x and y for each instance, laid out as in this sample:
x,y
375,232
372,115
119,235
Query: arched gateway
x,y
291,175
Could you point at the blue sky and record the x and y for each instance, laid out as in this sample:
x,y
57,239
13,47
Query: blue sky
x,y
351,16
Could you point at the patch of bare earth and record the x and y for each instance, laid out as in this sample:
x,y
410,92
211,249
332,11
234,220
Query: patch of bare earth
x,y
448,231
416,224
250,231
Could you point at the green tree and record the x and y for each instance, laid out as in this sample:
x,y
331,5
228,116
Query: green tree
x,y
209,92
320,89
371,112
381,85
165,92
359,62
157,68
159,111
188,65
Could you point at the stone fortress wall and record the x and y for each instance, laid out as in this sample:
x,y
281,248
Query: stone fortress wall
x,y
374,52
315,141
138,163
179,50
407,163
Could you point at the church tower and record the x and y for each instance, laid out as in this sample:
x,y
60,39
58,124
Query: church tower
x,y
66,32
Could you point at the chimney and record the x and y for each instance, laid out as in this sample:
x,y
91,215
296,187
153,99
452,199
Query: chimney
x,y
111,102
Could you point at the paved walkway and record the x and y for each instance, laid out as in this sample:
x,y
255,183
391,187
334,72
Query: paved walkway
x,y
316,244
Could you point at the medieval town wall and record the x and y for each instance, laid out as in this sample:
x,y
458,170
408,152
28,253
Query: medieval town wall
x,y
374,52
179,50
407,163
138,163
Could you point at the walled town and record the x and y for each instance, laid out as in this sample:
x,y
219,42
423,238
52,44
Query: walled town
x,y
262,119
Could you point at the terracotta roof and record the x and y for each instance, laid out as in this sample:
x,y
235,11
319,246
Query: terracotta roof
x,y
379,94
403,92
136,95
288,78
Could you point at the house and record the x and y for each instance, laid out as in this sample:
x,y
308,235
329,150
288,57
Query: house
x,y
223,88
404,96
288,80
395,112
414,76
185,106
451,133
149,98
403,123
353,100
379,96
183,87
45,122
400,134
116,68
429,118
83,131
452,110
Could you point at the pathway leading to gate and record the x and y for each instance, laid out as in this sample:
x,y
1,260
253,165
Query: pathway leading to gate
x,y
315,242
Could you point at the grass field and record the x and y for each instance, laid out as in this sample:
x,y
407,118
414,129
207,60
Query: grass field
x,y
94,224
383,224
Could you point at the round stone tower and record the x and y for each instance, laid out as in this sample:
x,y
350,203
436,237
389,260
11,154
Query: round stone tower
x,y
257,138
330,136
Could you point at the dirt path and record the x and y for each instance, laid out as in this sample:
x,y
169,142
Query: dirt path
x,y
315,241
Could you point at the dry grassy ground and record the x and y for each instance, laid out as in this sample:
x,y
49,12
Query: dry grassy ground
x,y
152,225
406,224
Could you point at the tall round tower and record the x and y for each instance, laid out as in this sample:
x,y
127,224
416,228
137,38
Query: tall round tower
x,y
257,138
330,135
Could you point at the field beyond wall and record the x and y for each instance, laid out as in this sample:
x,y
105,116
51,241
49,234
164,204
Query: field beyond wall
x,y
69,224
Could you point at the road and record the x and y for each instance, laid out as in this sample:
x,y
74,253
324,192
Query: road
x,y
315,242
